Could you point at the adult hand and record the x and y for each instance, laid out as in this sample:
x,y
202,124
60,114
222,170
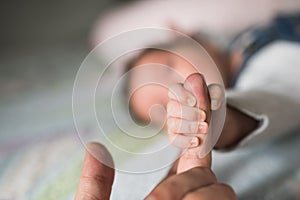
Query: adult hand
x,y
96,178
198,183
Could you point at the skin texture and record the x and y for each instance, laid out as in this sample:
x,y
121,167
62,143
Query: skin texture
x,y
96,178
197,183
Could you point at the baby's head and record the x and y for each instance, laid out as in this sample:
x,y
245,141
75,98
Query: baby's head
x,y
167,68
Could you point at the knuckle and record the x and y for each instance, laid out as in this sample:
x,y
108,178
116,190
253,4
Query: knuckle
x,y
96,179
205,171
172,107
174,140
100,178
211,174
171,123
195,114
230,194
191,196
194,128
173,182
167,189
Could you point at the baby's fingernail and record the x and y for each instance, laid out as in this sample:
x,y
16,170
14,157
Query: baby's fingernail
x,y
191,101
202,115
214,104
194,142
203,127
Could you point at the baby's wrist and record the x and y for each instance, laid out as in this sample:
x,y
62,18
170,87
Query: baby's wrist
x,y
237,126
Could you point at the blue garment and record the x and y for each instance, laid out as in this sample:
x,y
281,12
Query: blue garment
x,y
282,28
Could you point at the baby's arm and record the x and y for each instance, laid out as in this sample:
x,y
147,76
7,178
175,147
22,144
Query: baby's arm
x,y
269,91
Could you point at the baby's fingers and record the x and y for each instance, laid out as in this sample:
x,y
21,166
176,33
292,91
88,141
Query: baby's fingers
x,y
217,95
183,141
186,127
178,110
178,93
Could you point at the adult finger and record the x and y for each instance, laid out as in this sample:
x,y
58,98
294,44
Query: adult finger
x,y
178,93
215,191
195,83
177,186
96,178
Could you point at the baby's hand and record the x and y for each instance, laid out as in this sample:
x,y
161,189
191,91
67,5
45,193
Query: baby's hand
x,y
186,121
189,110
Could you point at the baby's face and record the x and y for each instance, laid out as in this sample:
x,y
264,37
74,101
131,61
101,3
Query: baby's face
x,y
175,70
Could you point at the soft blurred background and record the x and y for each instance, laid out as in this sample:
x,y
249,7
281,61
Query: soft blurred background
x,y
42,44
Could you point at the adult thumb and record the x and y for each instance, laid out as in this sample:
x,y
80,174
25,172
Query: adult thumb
x,y
195,83
97,174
